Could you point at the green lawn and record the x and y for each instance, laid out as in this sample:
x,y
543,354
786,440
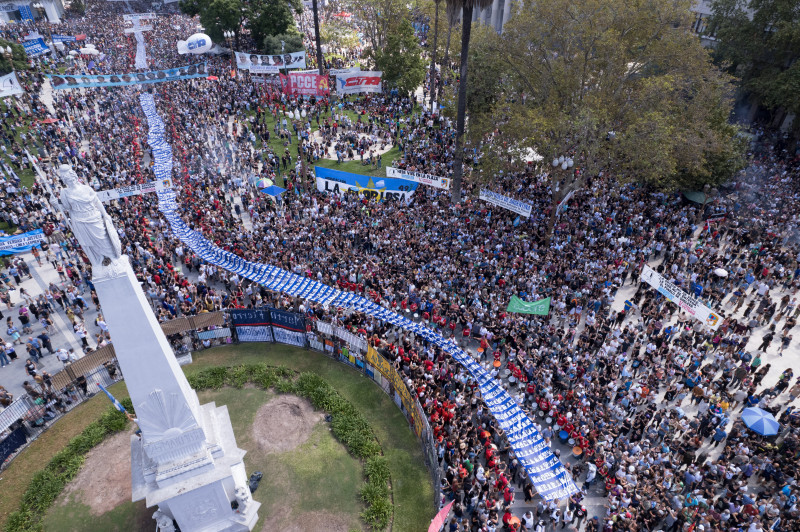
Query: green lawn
x,y
411,483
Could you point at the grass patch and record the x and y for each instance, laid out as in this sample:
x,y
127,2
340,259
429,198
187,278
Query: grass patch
x,y
74,516
356,167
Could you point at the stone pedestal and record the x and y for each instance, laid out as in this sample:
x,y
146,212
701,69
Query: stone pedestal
x,y
186,461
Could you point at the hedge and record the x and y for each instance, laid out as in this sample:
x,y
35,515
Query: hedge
x,y
347,424
48,483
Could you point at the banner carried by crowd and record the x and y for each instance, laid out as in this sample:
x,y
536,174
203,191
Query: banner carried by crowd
x,y
252,325
338,182
132,190
21,243
510,204
245,61
9,85
687,302
339,71
548,475
133,17
419,177
305,83
541,307
134,78
35,47
358,82
63,38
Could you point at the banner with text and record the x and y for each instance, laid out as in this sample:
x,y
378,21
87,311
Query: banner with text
x,y
687,302
139,16
252,325
338,182
35,48
386,369
21,243
134,78
358,82
510,204
288,327
132,190
541,307
338,71
63,38
305,83
245,61
419,177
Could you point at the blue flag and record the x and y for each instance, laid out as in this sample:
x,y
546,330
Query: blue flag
x,y
113,399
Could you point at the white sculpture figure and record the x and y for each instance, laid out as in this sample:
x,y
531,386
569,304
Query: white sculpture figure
x,y
90,222
243,498
164,522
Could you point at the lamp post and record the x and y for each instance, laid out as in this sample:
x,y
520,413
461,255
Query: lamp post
x,y
565,163
8,53
229,35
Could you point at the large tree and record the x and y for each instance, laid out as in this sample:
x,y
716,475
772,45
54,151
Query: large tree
x,y
760,40
467,8
617,86
400,59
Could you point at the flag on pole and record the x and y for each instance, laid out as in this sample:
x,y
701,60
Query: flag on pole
x,y
438,521
113,399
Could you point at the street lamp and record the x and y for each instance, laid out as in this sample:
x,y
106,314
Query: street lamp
x,y
8,53
229,35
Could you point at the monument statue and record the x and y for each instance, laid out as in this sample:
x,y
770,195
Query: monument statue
x,y
90,222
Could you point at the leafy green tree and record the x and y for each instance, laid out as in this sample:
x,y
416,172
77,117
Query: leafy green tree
x,y
216,16
18,57
401,60
271,17
616,86
377,18
293,43
760,40
260,17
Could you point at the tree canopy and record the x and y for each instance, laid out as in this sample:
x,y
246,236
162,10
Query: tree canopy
x,y
400,59
760,40
18,56
617,85
261,18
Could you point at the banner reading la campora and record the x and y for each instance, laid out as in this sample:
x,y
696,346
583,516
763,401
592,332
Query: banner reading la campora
x,y
338,182
541,307
687,302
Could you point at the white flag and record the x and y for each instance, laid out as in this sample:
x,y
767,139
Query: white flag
x,y
9,85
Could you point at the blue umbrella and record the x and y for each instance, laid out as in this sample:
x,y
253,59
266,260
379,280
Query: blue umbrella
x,y
760,421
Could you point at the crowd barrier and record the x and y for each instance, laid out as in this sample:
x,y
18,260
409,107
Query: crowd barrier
x,y
27,417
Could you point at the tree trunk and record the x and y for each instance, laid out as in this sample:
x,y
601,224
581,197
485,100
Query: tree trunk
x,y
458,164
320,63
433,55
445,63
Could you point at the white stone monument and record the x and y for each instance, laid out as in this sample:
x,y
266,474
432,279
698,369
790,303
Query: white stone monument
x,y
186,461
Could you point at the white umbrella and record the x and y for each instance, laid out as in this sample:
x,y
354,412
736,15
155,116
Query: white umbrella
x,y
721,272
89,51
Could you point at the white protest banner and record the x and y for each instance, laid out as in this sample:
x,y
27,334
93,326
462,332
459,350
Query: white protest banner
x,y
687,302
139,16
265,69
133,190
137,28
358,82
338,71
419,177
245,61
9,85
563,203
510,204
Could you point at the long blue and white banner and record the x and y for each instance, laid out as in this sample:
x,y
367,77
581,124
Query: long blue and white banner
x,y
21,243
63,38
35,48
510,204
546,472
134,78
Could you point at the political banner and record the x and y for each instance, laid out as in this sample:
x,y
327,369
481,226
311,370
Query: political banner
x,y
338,182
407,400
353,340
139,16
63,38
510,204
288,327
138,28
264,69
252,325
132,190
687,302
21,243
245,61
541,307
140,59
358,82
9,85
419,177
35,48
547,474
134,78
338,71
305,83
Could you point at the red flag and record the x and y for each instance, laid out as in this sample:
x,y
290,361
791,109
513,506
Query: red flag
x,y
441,517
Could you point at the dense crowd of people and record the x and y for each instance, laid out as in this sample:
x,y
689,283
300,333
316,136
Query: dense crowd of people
x,y
649,396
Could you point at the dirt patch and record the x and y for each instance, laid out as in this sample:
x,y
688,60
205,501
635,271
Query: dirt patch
x,y
330,522
104,481
284,423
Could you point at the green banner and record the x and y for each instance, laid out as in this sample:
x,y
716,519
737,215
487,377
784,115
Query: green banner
x,y
541,307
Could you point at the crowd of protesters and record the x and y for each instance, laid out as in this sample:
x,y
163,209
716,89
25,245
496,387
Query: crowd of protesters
x,y
649,397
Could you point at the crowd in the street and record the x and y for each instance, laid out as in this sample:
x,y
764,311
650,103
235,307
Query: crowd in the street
x,y
649,397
